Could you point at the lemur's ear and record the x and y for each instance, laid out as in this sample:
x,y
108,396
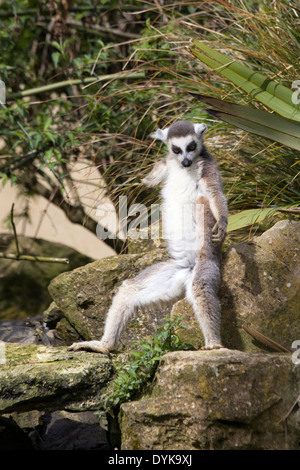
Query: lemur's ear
x,y
160,134
200,128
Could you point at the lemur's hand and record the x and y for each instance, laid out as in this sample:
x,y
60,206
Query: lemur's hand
x,y
219,230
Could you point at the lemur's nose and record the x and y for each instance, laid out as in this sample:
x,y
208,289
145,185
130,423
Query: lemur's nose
x,y
186,162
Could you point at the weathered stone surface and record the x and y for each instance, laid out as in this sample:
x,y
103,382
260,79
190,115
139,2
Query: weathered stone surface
x,y
85,294
191,332
23,286
44,378
260,287
221,399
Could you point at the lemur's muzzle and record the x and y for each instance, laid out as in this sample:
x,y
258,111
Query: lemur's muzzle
x,y
186,162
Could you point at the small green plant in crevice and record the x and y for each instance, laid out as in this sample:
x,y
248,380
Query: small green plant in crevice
x,y
138,370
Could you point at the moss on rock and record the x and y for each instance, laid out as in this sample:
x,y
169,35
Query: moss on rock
x,y
38,377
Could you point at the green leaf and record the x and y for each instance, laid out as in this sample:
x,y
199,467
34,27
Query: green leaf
x,y
254,128
268,125
273,121
55,58
47,123
48,154
50,136
248,217
156,358
4,178
275,96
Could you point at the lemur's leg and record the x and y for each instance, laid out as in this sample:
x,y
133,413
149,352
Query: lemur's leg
x,y
161,282
202,293
203,284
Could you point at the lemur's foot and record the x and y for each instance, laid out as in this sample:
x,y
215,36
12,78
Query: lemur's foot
x,y
211,347
95,346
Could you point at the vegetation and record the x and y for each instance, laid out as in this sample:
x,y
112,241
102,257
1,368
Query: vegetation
x,y
86,82
134,373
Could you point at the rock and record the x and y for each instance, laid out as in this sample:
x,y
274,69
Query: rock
x,y
46,378
52,315
66,332
52,399
220,400
58,430
33,331
84,295
260,287
12,437
238,398
145,245
65,430
23,286
191,332
21,331
58,329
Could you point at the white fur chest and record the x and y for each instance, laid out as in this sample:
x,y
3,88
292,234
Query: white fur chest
x,y
181,186
180,194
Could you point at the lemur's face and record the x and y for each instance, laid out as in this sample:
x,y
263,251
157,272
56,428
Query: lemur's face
x,y
184,140
185,148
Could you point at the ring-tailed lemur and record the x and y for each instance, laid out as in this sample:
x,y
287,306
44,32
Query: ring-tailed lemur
x,y
194,215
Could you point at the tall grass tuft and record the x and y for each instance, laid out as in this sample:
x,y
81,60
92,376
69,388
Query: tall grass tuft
x,y
264,36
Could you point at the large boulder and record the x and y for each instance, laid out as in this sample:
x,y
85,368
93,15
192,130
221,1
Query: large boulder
x,y
220,400
260,288
84,296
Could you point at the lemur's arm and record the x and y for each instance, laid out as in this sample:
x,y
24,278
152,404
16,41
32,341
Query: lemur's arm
x,y
157,175
212,186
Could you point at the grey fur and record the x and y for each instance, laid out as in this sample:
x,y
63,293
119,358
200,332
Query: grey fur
x,y
181,129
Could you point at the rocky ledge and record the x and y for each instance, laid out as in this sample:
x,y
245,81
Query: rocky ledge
x,y
222,399
49,398
46,378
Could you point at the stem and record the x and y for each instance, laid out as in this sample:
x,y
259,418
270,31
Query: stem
x,y
75,81
295,210
43,259
269,343
103,29
14,229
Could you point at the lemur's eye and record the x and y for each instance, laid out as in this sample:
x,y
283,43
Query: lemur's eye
x,y
191,147
176,149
